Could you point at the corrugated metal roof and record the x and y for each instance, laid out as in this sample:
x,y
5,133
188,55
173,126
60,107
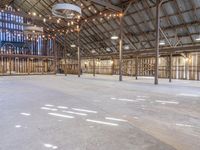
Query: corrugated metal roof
x,y
178,18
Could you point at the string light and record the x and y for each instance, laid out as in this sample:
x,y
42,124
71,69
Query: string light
x,y
107,15
121,14
71,23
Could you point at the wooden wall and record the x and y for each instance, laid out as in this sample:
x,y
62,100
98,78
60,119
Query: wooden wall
x,y
183,67
23,66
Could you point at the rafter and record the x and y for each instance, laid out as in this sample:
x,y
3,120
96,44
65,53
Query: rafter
x,y
107,5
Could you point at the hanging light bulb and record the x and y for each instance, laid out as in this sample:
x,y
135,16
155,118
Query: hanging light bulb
x,y
162,42
198,38
34,14
121,14
73,45
126,47
114,37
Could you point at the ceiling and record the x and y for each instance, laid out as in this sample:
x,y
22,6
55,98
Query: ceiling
x,y
180,21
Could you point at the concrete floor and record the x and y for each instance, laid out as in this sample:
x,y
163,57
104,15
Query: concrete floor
x,y
87,113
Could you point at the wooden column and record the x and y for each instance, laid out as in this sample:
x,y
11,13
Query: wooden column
x,y
65,56
170,67
94,66
120,48
2,59
158,4
187,67
198,68
136,67
28,67
10,66
113,66
55,55
43,66
79,59
47,65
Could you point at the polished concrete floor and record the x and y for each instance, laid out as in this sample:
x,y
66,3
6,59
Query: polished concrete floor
x,y
101,113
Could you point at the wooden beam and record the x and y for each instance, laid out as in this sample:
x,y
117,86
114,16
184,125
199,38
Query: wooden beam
x,y
121,49
178,49
26,56
79,61
107,5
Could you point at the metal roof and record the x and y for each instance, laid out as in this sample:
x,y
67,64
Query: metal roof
x,y
179,23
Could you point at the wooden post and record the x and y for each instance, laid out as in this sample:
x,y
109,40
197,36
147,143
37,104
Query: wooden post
x,y
158,4
187,73
170,68
93,66
120,48
47,65
79,61
2,59
65,56
28,61
136,67
55,55
43,66
113,66
10,67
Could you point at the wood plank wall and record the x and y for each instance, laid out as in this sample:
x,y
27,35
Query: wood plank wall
x,y
182,68
25,66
